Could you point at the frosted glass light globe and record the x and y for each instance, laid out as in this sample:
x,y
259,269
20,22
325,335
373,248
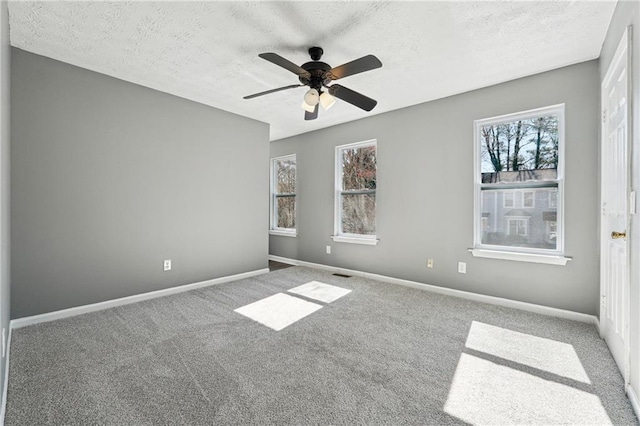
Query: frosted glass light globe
x,y
312,97
327,100
307,108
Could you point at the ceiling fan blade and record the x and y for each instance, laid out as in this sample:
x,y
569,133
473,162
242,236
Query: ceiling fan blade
x,y
354,98
255,95
366,63
312,115
285,63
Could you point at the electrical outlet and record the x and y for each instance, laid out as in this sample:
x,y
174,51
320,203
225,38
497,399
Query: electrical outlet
x,y
328,249
430,263
462,267
167,265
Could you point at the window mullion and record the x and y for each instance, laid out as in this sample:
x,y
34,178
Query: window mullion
x,y
521,185
358,192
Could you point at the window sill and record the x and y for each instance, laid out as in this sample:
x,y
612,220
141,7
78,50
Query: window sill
x,y
371,241
521,257
283,233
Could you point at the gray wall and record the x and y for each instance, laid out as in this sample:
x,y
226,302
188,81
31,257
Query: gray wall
x,y
110,178
628,13
425,192
5,68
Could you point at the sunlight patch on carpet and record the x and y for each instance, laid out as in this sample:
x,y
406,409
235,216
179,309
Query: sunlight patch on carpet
x,y
320,291
278,311
483,392
544,354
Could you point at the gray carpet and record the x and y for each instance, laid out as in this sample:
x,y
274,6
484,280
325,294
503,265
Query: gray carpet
x,y
382,354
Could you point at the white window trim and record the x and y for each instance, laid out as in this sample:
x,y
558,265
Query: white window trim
x,y
284,232
273,228
355,239
520,257
533,199
524,254
338,236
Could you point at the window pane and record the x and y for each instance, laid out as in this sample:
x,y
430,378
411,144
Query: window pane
x,y
520,151
508,199
286,211
285,176
359,168
359,214
505,224
528,199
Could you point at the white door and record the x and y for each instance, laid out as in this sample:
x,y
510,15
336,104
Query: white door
x,y
614,225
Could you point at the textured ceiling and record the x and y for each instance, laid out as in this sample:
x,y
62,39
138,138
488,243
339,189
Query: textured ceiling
x,y
208,51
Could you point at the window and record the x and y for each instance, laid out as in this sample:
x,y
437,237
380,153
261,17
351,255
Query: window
x,y
355,200
518,227
283,196
508,199
519,157
553,198
528,199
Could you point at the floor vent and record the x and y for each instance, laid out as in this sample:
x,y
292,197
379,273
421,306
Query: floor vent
x,y
342,275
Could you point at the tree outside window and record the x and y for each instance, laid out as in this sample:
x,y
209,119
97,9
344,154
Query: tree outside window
x,y
283,199
519,161
356,187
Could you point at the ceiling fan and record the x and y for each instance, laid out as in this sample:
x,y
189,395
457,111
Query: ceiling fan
x,y
318,75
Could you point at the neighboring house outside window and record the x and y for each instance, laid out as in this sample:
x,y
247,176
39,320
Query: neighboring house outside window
x,y
283,196
519,182
355,196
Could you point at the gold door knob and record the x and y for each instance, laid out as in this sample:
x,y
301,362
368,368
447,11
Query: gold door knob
x,y
615,235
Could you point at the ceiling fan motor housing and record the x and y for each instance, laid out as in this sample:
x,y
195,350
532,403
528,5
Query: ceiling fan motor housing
x,y
318,71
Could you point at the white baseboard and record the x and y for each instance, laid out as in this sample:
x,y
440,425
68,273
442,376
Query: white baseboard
x,y
284,260
596,323
633,397
530,307
3,407
79,310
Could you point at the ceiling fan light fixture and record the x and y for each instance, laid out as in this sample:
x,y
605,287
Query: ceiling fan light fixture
x,y
307,107
327,100
317,75
312,97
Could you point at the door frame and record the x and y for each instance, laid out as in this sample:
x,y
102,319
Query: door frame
x,y
625,43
